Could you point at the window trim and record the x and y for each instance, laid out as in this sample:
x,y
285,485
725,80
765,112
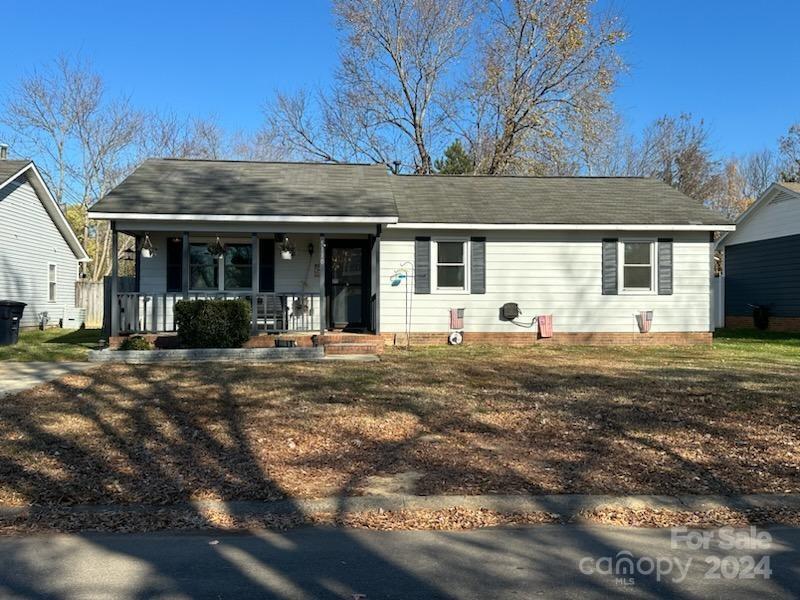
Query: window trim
x,y
621,289
53,283
435,289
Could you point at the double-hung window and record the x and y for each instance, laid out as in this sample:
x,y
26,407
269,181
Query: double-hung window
x,y
203,268
238,266
52,282
451,265
637,259
232,271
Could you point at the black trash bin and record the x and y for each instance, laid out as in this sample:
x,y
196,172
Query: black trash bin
x,y
10,318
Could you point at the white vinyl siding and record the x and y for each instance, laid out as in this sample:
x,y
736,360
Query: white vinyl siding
x,y
556,273
29,243
771,220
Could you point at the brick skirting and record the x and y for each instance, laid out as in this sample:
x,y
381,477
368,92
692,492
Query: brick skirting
x,y
527,338
785,324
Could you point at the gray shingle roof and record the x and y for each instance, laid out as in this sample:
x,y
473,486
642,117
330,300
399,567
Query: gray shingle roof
x,y
790,185
9,167
325,190
253,188
546,200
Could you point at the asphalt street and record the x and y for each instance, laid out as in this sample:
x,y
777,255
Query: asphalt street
x,y
549,561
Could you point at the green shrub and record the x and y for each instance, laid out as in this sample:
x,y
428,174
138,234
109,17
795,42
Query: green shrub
x,y
212,323
136,342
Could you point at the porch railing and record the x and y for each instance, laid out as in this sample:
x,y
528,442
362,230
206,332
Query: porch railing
x,y
277,312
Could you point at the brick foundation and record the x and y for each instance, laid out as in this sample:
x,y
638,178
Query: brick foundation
x,y
528,338
784,324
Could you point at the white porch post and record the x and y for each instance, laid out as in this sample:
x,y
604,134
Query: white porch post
x,y
114,280
255,284
322,312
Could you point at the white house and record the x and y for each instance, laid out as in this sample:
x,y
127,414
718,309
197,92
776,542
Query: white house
x,y
39,252
762,261
607,258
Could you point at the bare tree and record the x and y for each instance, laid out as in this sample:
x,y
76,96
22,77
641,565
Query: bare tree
x,y
790,154
167,135
760,170
385,103
677,150
82,141
539,93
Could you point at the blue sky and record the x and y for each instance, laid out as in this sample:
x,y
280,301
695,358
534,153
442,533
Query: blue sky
x,y
734,63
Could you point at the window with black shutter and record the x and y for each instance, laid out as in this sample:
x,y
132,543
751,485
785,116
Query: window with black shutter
x,y
266,265
174,264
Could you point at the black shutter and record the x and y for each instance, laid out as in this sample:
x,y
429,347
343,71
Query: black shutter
x,y
610,272
174,264
478,265
266,265
664,267
422,265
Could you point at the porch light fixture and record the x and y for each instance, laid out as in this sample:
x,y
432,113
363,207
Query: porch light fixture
x,y
287,248
216,249
148,250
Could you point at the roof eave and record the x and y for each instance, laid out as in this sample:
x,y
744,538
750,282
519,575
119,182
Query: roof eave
x,y
222,218
569,226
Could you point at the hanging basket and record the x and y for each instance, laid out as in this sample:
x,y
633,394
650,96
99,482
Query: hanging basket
x,y
287,249
148,250
216,249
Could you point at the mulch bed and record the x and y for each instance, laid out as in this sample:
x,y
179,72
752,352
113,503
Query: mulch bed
x,y
441,421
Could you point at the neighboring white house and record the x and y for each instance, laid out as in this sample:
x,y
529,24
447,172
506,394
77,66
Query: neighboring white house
x,y
39,252
391,254
762,260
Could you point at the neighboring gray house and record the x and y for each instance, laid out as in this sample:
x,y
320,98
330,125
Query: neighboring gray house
x,y
39,252
391,254
762,260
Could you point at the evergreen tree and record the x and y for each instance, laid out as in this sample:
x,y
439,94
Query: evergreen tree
x,y
456,161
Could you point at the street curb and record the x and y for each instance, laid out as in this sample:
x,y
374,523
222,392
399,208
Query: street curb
x,y
565,505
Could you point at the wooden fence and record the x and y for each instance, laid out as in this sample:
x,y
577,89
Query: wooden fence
x,y
95,296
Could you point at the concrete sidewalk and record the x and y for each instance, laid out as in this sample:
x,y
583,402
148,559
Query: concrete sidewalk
x,y
16,377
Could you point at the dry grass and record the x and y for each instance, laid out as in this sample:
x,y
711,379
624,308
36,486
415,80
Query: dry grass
x,y
465,420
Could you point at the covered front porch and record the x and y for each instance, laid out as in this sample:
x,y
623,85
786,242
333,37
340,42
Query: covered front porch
x,y
296,279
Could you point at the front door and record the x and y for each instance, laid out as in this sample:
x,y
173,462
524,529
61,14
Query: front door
x,y
347,283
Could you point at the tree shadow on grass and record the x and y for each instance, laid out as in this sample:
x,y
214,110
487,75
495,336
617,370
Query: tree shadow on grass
x,y
158,435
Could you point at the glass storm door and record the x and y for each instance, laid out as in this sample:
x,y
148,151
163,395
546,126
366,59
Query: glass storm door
x,y
347,267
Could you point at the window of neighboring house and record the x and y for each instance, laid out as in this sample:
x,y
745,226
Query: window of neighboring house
x,y
52,281
203,268
451,265
238,266
637,265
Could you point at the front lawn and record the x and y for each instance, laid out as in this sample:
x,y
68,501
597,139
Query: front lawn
x,y
52,345
466,420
